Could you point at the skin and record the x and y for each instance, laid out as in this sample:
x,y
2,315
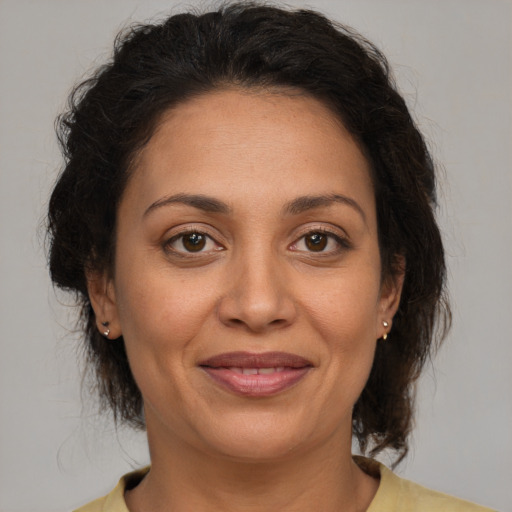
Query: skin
x,y
256,286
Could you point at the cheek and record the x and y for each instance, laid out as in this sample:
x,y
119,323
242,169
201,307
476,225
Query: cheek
x,y
161,316
345,318
159,311
345,306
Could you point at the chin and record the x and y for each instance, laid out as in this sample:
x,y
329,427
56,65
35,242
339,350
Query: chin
x,y
259,439
257,448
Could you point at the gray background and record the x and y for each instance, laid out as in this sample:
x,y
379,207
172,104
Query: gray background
x,y
453,62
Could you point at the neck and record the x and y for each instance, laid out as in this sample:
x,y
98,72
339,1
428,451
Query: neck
x,y
184,479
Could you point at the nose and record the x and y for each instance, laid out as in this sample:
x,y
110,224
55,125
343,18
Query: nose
x,y
258,296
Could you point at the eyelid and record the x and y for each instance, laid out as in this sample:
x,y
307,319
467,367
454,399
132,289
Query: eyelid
x,y
190,229
336,233
328,229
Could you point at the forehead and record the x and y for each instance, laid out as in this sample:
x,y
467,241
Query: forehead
x,y
251,143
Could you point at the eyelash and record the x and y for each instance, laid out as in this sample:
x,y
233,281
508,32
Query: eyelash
x,y
187,254
341,241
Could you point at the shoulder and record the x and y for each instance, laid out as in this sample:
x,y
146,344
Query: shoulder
x,y
114,501
397,494
412,496
93,506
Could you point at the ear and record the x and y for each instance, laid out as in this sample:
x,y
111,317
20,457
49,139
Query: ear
x,y
389,300
103,300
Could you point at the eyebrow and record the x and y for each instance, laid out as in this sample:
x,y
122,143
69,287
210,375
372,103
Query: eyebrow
x,y
305,203
296,206
199,201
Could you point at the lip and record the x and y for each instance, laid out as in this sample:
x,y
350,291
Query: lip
x,y
227,371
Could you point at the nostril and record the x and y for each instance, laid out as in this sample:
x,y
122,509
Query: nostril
x,y
277,323
256,309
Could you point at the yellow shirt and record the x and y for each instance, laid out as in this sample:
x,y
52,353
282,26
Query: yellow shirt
x,y
395,494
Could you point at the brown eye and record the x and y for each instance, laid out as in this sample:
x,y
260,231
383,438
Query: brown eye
x,y
316,241
322,243
194,242
191,243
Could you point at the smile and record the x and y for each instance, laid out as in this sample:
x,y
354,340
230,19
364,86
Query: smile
x,y
256,371
256,375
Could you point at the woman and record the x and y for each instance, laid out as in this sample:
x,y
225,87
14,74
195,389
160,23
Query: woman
x,y
246,215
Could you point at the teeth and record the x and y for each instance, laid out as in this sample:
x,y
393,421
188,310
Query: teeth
x,y
256,371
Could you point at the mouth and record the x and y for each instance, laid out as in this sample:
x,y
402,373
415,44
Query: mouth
x,y
256,375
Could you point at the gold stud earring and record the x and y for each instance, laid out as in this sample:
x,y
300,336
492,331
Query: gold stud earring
x,y
385,335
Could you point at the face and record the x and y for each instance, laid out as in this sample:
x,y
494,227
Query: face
x,y
247,282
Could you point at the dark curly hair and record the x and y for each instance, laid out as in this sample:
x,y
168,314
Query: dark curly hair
x,y
155,67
